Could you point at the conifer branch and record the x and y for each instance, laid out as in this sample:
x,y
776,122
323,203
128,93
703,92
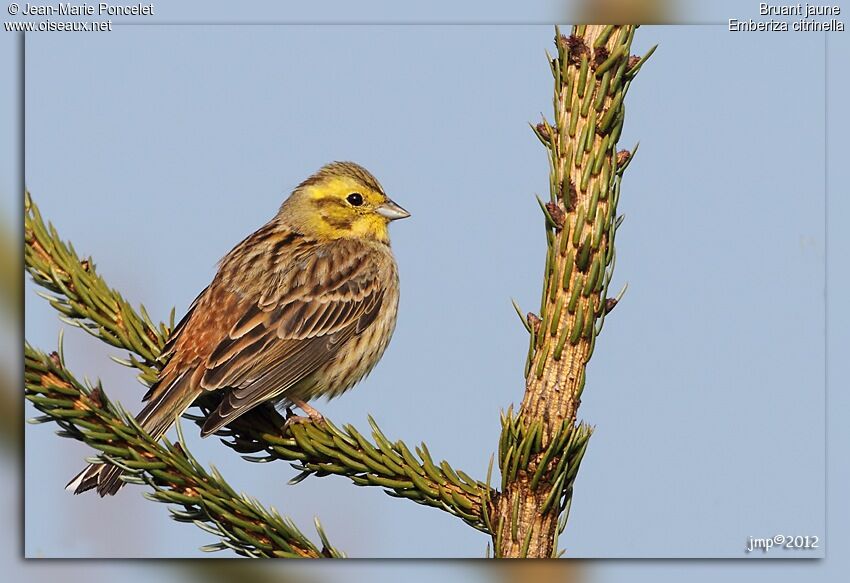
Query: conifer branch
x,y
542,446
205,499
323,449
84,299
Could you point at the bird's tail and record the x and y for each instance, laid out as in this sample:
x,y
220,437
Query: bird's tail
x,y
156,417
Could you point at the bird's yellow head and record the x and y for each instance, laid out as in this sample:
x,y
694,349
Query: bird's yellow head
x,y
341,200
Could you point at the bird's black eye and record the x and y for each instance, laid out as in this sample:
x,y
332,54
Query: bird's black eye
x,y
355,199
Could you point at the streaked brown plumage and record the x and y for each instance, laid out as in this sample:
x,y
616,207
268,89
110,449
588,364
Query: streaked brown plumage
x,y
303,307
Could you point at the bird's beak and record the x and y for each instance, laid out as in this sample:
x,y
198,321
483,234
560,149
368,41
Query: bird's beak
x,y
392,211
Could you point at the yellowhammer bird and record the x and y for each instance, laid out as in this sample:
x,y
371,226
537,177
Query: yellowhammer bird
x,y
304,307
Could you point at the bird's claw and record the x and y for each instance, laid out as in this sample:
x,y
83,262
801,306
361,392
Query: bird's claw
x,y
313,416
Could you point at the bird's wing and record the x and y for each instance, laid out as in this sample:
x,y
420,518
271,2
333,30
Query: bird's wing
x,y
286,333
168,348
173,338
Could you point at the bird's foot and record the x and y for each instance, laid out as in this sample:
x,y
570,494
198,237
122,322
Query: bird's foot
x,y
312,413
313,416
